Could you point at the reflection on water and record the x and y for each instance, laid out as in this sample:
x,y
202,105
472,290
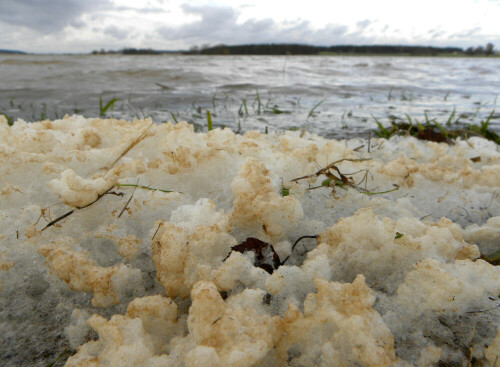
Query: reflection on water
x,y
253,92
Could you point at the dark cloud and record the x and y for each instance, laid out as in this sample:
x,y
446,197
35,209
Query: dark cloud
x,y
118,33
218,24
47,16
78,24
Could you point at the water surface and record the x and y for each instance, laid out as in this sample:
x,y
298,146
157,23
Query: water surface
x,y
350,91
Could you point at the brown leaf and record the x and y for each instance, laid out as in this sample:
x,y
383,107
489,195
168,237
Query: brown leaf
x,y
265,256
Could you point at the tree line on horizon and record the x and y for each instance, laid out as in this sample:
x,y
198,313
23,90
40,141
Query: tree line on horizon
x,y
303,49
480,50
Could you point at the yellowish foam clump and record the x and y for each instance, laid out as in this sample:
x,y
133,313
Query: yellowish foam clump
x,y
384,249
81,274
338,325
257,204
431,285
186,252
485,236
225,334
78,192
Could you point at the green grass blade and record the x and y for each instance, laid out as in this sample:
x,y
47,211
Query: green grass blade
x,y
427,121
104,109
259,103
209,121
441,129
448,122
383,132
173,117
409,119
145,187
245,106
419,125
484,124
311,112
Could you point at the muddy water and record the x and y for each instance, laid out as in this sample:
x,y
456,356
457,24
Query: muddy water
x,y
253,92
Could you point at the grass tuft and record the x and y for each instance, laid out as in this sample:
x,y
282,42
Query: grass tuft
x,y
432,130
484,131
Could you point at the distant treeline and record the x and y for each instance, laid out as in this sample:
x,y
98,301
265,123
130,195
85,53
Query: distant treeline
x,y
480,50
301,49
134,51
2,51
298,49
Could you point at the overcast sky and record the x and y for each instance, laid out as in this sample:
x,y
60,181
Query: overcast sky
x,y
86,25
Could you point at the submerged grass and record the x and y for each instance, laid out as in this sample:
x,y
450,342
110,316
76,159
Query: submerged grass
x,y
239,110
432,130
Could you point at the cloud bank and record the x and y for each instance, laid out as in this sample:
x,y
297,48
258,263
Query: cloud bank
x,y
80,26
220,25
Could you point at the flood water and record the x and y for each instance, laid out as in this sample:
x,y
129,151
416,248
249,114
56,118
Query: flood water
x,y
331,96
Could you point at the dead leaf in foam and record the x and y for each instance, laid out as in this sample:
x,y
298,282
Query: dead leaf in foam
x,y
265,256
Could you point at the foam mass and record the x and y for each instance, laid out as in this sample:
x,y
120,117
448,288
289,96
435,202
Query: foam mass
x,y
117,242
